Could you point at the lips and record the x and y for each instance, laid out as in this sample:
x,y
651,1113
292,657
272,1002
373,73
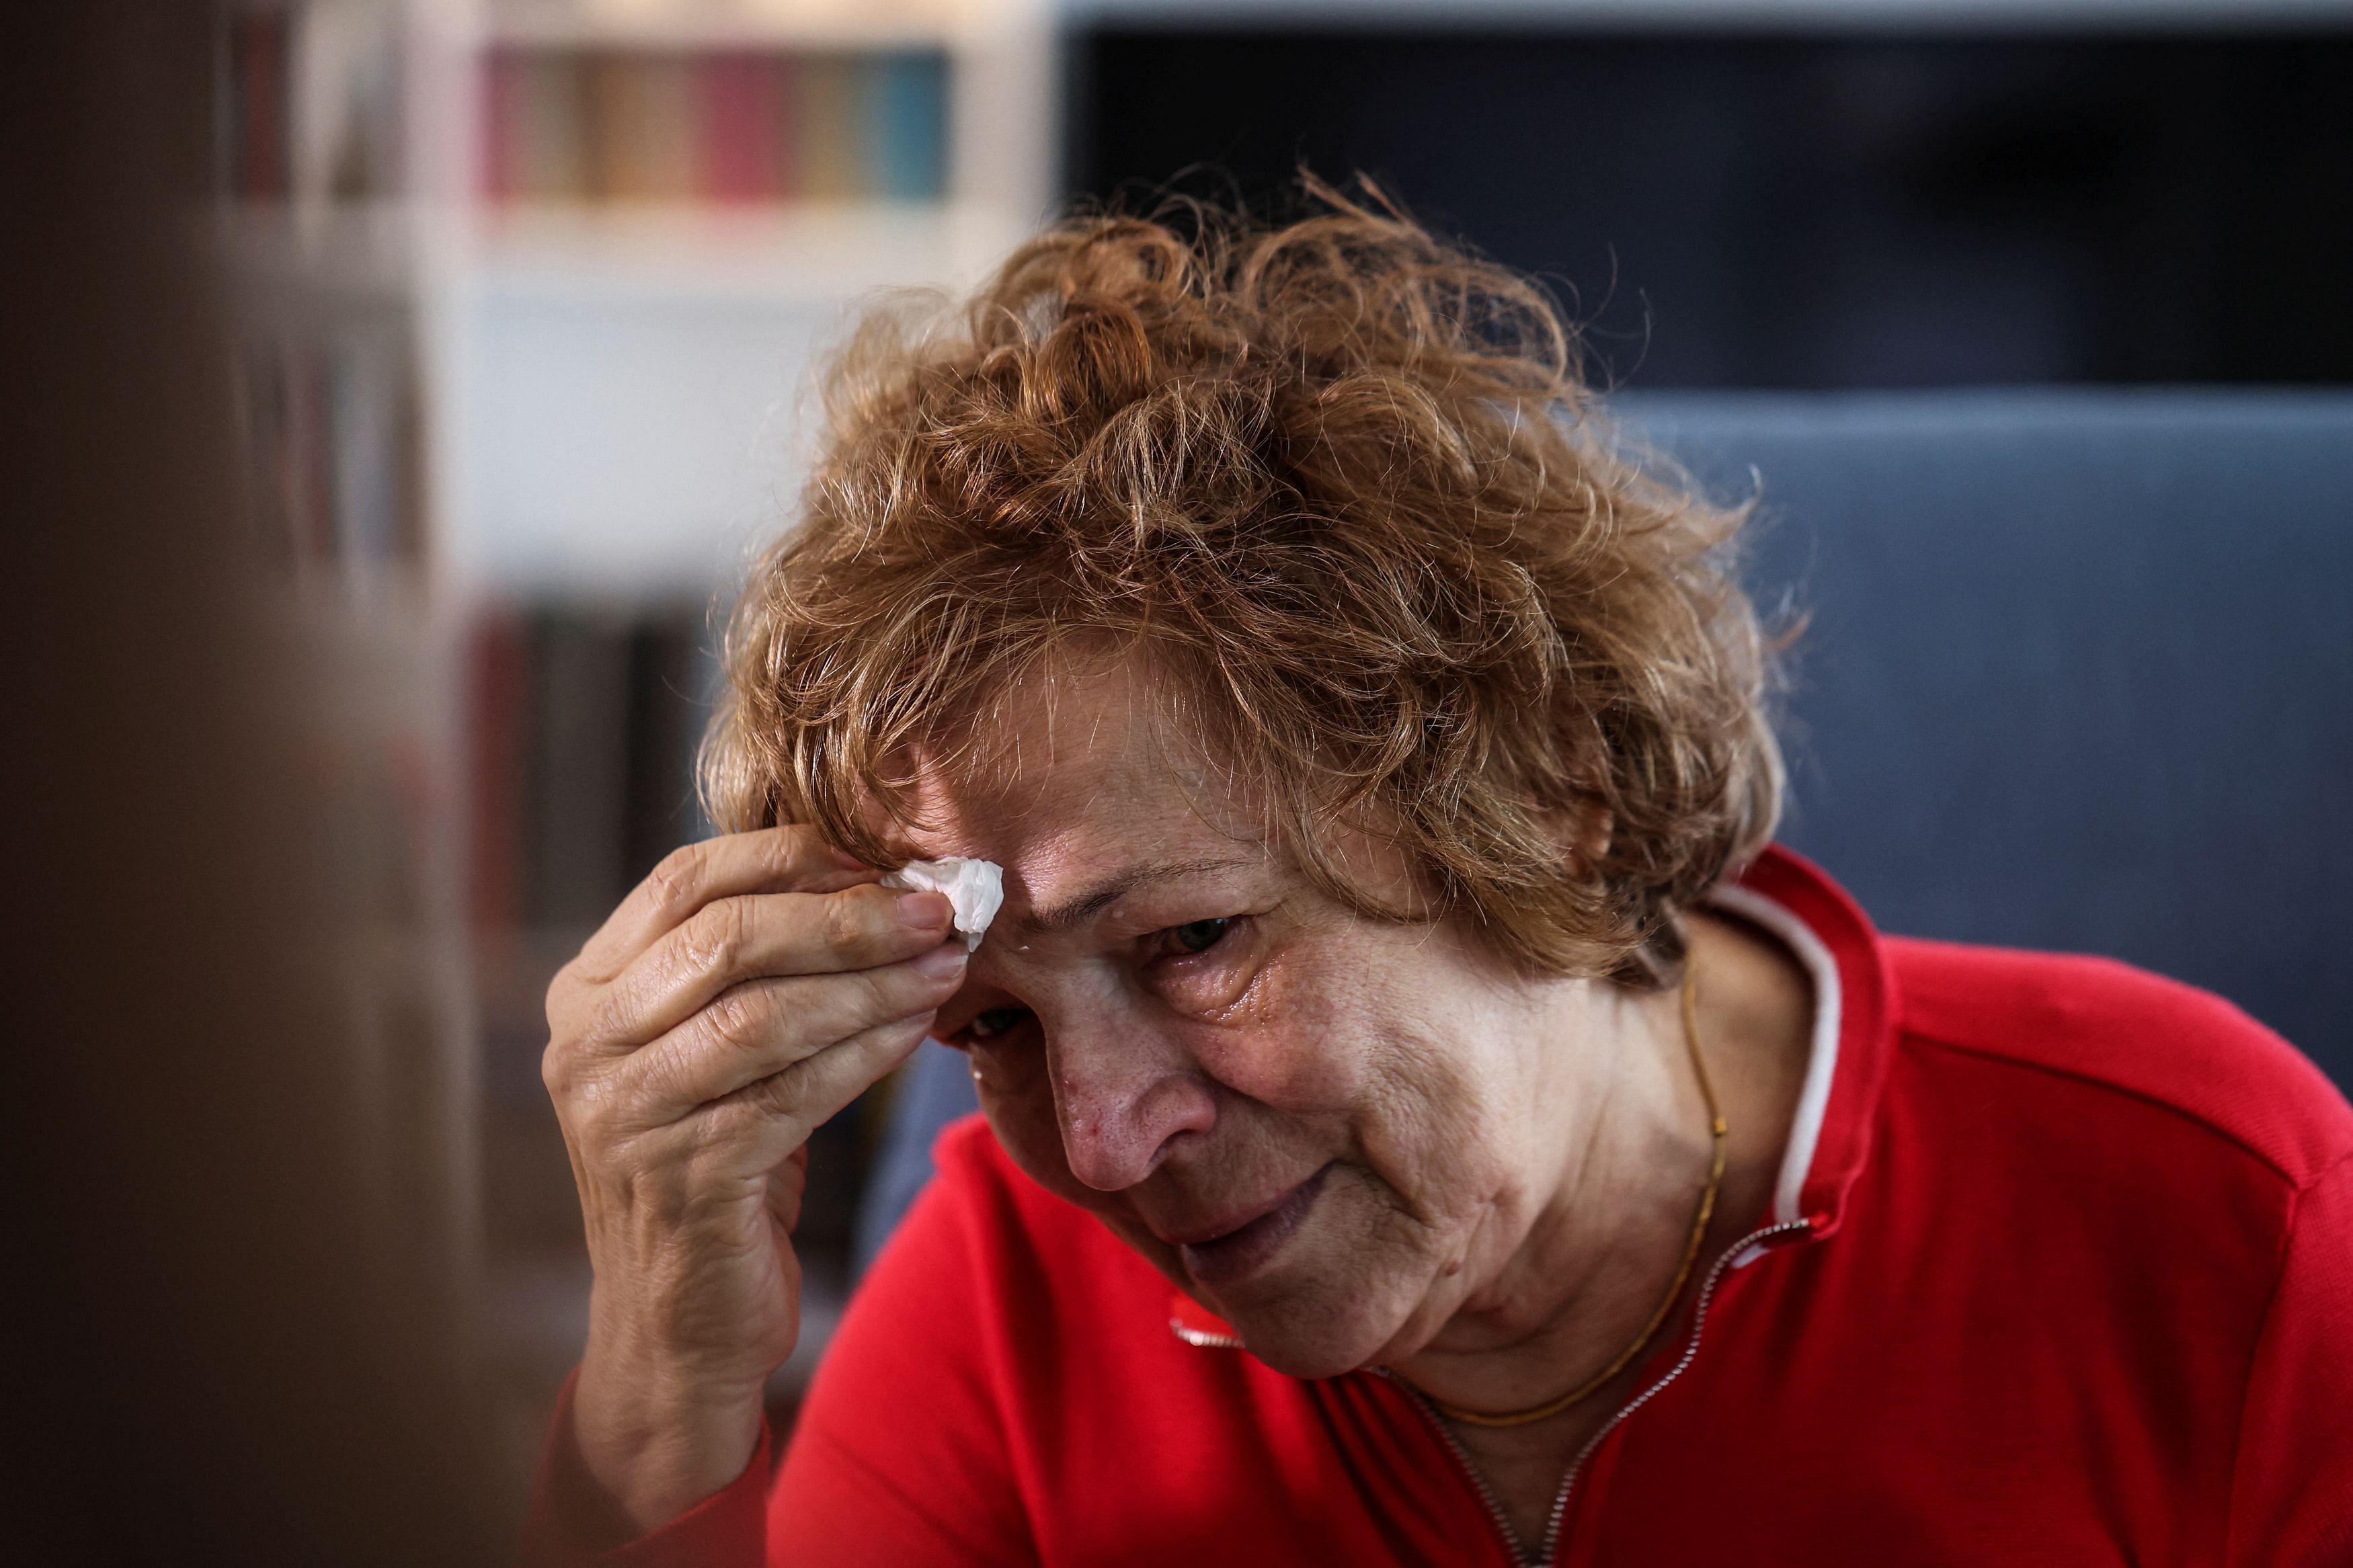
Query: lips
x,y
1241,1243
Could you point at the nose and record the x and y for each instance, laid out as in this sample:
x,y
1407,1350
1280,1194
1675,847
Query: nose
x,y
1126,1094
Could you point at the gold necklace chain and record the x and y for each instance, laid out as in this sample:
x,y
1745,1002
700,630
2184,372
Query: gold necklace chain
x,y
1716,1133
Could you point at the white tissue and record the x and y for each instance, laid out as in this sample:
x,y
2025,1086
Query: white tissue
x,y
974,889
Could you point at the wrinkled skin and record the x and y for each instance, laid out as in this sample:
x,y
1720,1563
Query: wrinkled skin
x,y
1361,1143
1449,1111
746,991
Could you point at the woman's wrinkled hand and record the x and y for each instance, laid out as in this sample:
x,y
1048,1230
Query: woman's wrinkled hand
x,y
748,989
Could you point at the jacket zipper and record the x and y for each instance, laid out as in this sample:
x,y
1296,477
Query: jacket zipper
x,y
1551,1543
1479,1484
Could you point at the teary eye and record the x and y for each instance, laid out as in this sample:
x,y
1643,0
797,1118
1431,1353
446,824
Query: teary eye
x,y
995,1021
1198,936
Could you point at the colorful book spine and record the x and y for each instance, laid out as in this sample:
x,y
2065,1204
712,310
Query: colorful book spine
x,y
257,119
906,134
507,173
641,129
498,710
747,128
832,98
551,144
332,429
728,128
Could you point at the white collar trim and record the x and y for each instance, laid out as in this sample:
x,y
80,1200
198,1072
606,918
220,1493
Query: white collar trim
x,y
1821,1065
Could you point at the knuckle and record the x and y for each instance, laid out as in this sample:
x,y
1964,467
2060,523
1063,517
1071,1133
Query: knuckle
x,y
594,1126
739,1114
584,1103
888,993
715,939
675,884
562,995
666,1088
802,856
797,843
619,1016
843,920
556,1071
779,1095
740,1018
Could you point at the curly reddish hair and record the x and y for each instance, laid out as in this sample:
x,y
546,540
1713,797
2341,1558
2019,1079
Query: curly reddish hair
x,y
1344,487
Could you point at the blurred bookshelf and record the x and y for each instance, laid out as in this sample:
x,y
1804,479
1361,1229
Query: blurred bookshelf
x,y
320,157
615,126
807,149
585,717
523,294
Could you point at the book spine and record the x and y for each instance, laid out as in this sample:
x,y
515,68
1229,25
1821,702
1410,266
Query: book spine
x,y
641,129
609,159
372,397
551,130
498,682
906,140
741,139
579,769
671,682
783,73
830,100
355,466
666,134
261,137
312,476
505,88
370,146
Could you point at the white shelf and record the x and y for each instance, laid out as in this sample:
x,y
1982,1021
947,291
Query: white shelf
x,y
630,405
811,252
804,252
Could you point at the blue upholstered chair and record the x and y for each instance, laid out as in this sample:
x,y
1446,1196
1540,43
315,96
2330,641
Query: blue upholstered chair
x,y
2078,675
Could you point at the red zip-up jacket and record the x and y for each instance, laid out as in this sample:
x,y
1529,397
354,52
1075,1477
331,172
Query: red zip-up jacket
x,y
2060,1269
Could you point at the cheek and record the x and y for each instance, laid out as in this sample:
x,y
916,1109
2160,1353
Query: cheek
x,y
1442,1102
1288,1045
1435,1134
1018,1097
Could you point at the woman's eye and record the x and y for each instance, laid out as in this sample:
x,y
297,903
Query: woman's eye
x,y
1198,936
995,1021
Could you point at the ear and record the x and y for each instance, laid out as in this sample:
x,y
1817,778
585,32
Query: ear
x,y
1582,834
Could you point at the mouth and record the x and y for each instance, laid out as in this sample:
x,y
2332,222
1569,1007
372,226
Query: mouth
x,y
1242,1245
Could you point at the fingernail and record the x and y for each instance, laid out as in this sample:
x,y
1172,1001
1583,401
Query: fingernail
x,y
945,960
923,911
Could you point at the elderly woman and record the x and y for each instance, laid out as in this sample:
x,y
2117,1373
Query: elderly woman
x,y
1426,1119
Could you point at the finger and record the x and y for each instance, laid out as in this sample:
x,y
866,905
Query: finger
x,y
778,1112
757,936
764,1027
793,858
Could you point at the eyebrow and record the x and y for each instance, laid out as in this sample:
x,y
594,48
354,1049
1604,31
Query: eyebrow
x,y
1079,909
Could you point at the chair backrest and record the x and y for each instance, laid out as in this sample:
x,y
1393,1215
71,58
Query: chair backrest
x,y
2079,670
2078,674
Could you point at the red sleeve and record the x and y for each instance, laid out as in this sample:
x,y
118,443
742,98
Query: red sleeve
x,y
901,1454
572,1522
2291,1495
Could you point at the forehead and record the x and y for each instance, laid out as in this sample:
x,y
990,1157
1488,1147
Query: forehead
x,y
1073,765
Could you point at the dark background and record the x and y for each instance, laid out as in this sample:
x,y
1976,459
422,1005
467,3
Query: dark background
x,y
1804,211
231,1338
2075,670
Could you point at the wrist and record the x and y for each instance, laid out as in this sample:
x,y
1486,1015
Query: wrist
x,y
655,1445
